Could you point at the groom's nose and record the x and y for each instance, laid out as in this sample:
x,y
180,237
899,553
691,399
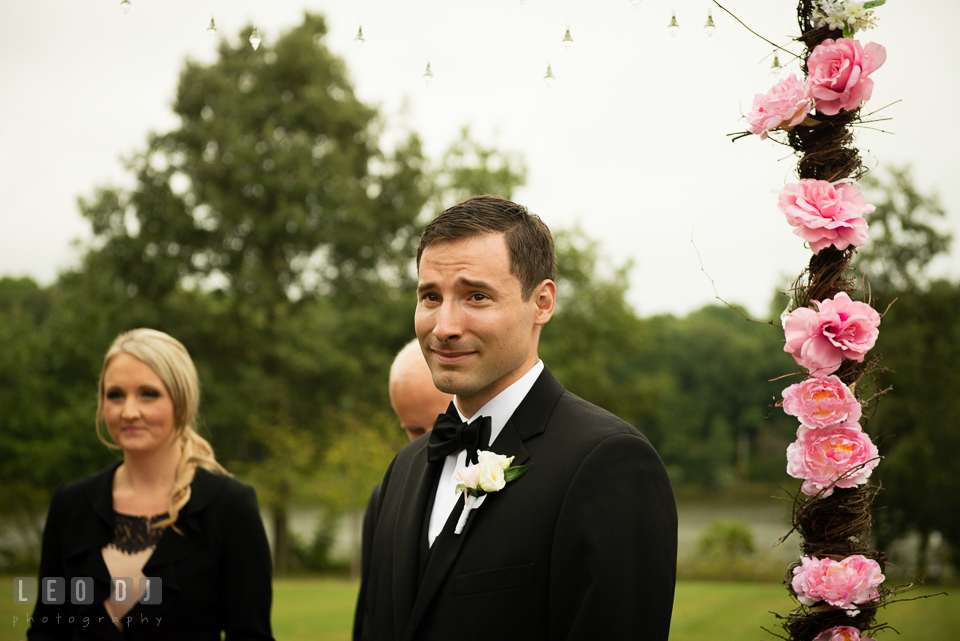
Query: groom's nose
x,y
449,325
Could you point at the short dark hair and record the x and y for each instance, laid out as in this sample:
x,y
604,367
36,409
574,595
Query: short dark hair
x,y
532,255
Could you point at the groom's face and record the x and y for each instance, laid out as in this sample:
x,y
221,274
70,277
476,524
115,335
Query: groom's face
x,y
477,332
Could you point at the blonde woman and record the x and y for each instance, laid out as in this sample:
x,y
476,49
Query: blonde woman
x,y
165,544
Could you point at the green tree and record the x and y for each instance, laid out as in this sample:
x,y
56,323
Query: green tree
x,y
904,237
471,169
595,338
718,421
273,235
917,425
697,387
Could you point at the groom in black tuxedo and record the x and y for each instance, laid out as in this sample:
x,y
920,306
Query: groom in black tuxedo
x,y
584,544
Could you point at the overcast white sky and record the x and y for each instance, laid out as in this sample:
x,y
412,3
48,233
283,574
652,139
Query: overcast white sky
x,y
629,143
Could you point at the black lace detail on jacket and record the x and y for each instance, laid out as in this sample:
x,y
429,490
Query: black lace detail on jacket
x,y
131,534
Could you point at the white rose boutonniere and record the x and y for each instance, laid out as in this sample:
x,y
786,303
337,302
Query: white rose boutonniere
x,y
491,474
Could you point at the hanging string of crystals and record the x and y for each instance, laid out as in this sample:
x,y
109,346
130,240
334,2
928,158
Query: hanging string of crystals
x,y
549,79
709,26
358,40
673,27
567,39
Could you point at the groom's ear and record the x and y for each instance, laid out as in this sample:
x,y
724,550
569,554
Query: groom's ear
x,y
545,299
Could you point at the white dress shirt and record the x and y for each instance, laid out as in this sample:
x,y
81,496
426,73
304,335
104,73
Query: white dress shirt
x,y
500,408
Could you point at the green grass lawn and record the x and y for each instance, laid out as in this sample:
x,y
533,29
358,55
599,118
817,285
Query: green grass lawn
x,y
727,611
322,610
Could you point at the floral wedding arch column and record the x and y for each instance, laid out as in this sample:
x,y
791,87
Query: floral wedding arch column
x,y
838,580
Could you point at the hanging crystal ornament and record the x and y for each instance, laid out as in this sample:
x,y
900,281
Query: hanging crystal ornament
x,y
674,26
255,38
776,66
125,5
549,78
428,74
212,28
567,40
358,40
709,26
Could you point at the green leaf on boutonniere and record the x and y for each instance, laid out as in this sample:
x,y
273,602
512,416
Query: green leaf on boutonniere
x,y
469,490
516,472
847,31
873,4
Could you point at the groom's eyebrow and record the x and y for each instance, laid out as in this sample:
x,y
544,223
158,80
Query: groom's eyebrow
x,y
422,287
474,284
462,281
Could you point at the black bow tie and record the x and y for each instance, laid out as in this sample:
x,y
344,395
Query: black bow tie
x,y
450,435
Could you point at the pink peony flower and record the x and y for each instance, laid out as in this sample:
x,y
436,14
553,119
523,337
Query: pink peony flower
x,y
839,328
825,214
843,584
821,402
838,73
783,107
822,456
842,633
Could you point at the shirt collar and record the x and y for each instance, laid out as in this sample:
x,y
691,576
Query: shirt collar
x,y
502,406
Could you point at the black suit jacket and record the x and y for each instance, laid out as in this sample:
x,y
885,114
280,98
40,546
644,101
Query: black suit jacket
x,y
216,576
583,546
366,551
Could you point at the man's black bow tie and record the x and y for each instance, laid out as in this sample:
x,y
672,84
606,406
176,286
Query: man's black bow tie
x,y
450,435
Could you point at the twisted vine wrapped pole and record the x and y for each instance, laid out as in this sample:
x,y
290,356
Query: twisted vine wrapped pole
x,y
838,579
838,525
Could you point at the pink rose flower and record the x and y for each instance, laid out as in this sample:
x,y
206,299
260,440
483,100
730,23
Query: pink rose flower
x,y
783,107
839,328
821,402
843,584
822,456
838,73
842,633
825,214
468,476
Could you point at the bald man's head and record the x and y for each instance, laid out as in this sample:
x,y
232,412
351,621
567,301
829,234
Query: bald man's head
x,y
414,397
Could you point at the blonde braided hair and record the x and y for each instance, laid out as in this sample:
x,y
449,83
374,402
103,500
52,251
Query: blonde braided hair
x,y
169,359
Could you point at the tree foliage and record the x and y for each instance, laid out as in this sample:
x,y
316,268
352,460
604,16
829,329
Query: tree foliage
x,y
915,423
471,169
918,423
696,386
274,186
904,234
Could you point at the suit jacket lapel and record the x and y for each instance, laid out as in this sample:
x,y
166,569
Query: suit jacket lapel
x,y
531,416
528,420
